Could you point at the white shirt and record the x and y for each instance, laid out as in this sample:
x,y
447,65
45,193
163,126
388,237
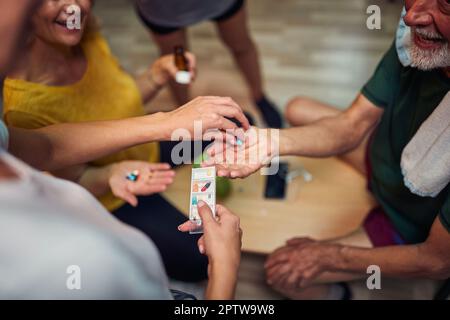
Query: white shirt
x,y
48,225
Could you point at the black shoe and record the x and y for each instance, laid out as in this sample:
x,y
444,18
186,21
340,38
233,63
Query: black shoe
x,y
270,113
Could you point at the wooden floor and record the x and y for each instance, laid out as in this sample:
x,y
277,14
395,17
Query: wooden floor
x,y
317,48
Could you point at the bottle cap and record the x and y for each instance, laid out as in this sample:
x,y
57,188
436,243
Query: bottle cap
x,y
183,77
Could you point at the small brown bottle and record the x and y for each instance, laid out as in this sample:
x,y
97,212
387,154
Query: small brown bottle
x,y
183,76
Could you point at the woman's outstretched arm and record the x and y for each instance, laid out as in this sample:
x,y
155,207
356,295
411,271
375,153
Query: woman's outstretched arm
x,y
63,145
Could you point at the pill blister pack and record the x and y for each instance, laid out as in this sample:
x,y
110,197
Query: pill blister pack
x,y
203,188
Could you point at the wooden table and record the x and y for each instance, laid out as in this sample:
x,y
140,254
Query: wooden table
x,y
334,204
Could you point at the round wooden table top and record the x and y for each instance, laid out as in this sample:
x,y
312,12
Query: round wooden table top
x,y
332,205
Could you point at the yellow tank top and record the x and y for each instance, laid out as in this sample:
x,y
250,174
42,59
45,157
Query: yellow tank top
x,y
105,92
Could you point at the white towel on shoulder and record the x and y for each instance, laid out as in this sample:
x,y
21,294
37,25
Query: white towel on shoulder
x,y
426,159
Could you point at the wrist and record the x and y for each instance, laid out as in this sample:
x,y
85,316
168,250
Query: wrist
x,y
155,127
96,180
224,264
334,258
157,82
224,270
109,170
286,143
343,258
222,282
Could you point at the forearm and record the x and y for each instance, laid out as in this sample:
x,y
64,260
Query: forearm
x,y
333,135
222,282
324,138
403,261
64,145
147,87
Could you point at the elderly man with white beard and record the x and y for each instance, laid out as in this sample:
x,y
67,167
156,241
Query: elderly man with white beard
x,y
407,235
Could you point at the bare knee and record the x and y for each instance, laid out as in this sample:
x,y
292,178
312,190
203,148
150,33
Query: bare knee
x,y
299,111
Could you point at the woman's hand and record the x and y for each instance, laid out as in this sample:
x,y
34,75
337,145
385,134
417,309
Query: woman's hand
x,y
222,238
165,69
208,113
153,178
221,242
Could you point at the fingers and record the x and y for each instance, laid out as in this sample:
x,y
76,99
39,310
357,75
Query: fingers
x,y
308,277
226,124
205,213
227,218
188,226
235,112
191,226
201,245
230,171
156,183
156,176
127,196
281,255
242,172
227,107
274,275
159,166
192,61
171,69
144,189
222,171
293,280
298,241
223,213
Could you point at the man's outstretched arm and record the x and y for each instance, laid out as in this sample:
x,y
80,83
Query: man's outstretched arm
x,y
334,135
326,137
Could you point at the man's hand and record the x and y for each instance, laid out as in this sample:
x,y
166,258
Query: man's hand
x,y
211,112
165,69
153,178
258,148
299,262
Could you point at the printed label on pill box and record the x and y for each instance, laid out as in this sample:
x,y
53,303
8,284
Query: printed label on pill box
x,y
203,188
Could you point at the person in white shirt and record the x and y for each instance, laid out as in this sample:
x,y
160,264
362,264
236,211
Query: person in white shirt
x,y
48,226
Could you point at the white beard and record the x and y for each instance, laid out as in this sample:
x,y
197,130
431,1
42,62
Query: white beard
x,y
429,59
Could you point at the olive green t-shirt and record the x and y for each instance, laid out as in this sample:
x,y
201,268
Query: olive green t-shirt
x,y
408,96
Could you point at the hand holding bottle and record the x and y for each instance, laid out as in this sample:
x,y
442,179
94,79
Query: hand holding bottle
x,y
165,68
